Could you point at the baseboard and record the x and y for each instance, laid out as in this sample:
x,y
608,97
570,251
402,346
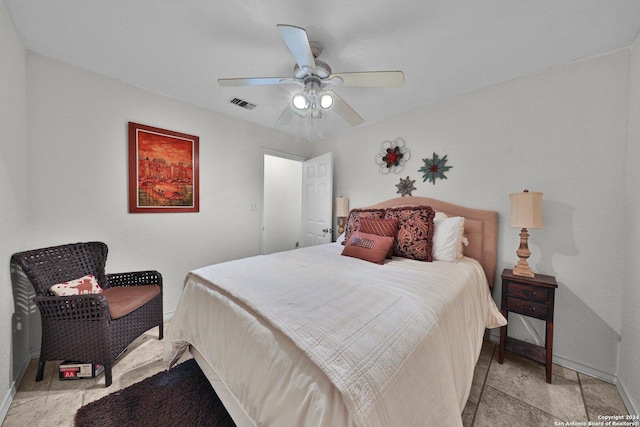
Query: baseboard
x,y
632,406
578,367
583,369
567,363
6,403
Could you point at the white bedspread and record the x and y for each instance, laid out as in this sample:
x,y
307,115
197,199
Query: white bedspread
x,y
398,342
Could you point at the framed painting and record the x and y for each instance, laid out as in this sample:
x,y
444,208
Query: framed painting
x,y
163,170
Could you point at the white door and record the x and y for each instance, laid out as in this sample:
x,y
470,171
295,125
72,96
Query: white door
x,y
317,198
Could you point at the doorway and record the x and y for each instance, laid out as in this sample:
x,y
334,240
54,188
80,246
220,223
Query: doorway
x,y
282,202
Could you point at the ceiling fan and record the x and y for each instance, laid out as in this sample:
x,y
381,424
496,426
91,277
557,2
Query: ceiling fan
x,y
314,77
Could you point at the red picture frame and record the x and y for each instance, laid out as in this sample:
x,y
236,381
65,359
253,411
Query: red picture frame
x,y
163,170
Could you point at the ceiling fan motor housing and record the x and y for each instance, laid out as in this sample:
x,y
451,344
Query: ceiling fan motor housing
x,y
323,70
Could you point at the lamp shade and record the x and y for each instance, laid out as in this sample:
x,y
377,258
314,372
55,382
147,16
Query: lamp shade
x,y
526,209
342,206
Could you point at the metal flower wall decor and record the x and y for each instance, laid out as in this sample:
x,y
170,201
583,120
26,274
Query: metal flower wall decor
x,y
434,168
405,187
392,156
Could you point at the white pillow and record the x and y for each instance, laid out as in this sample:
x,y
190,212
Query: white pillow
x,y
461,240
439,216
340,238
84,285
448,238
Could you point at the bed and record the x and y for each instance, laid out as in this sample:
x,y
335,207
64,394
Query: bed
x,y
311,337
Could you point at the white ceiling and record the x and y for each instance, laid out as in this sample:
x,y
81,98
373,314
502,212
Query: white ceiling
x,y
444,47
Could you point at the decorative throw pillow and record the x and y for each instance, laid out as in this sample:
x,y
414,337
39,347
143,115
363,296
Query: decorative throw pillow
x,y
447,238
368,247
354,220
381,227
84,285
415,232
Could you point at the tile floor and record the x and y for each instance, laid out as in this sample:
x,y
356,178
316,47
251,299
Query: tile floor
x,y
511,394
516,394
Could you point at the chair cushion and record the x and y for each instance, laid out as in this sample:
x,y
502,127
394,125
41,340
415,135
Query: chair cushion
x,y
126,299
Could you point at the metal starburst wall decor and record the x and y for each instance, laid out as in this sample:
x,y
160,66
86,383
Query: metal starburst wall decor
x,y
392,156
405,187
434,168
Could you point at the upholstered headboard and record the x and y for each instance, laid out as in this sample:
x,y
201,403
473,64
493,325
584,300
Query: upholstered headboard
x,y
480,228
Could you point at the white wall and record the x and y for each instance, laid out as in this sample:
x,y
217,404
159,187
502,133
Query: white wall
x,y
77,130
562,132
13,196
630,351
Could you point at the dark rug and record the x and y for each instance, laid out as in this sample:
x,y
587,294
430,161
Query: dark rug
x,y
181,396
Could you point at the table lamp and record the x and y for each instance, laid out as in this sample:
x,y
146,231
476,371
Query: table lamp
x,y
342,212
526,212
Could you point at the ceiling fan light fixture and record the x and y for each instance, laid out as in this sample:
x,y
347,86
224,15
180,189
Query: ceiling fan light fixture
x,y
313,76
326,100
300,102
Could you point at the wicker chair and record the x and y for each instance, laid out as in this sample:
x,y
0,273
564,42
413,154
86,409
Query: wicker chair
x,y
84,328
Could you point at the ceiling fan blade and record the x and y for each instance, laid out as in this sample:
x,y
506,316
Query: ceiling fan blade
x,y
344,110
298,43
369,79
257,81
286,116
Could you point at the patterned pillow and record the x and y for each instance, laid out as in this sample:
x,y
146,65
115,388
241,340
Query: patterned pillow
x,y
84,285
368,247
381,227
415,232
354,220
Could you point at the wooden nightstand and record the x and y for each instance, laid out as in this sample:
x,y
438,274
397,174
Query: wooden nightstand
x,y
531,297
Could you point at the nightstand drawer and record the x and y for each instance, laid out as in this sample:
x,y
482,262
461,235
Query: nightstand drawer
x,y
527,308
527,292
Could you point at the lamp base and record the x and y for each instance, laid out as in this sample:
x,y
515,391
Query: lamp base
x,y
522,267
342,221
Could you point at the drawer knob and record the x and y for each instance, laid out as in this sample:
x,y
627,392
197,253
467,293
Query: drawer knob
x,y
520,306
